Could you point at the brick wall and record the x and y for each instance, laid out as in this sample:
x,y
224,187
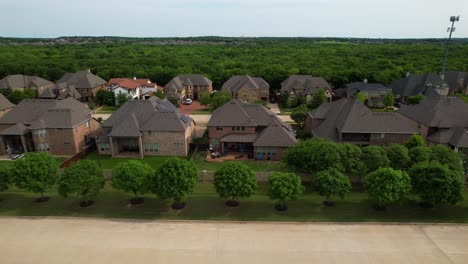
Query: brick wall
x,y
170,143
375,139
213,133
279,153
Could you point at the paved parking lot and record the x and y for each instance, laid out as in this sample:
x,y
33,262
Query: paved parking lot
x,y
52,240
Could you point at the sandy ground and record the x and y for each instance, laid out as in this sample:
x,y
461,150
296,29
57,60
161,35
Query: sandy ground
x,y
50,240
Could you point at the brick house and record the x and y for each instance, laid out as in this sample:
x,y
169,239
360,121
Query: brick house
x,y
348,121
81,86
20,82
133,88
146,127
59,127
251,129
373,92
5,105
247,88
305,86
439,119
185,86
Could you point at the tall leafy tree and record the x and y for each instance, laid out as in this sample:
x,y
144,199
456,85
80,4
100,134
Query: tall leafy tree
x,y
419,154
132,176
388,99
351,159
234,181
121,99
436,184
299,114
318,98
220,98
414,141
374,157
398,156
360,97
175,179
5,179
284,187
36,172
386,186
446,156
331,183
205,98
84,179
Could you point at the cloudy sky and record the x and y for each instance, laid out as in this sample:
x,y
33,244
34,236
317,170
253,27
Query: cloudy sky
x,y
286,18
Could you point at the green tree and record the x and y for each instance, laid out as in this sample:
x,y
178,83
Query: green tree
x,y
175,179
318,98
414,141
109,99
17,96
374,157
205,98
386,186
84,179
5,179
360,97
36,172
233,181
419,154
100,96
314,155
159,93
121,99
398,156
284,99
284,187
299,114
330,183
220,98
388,99
132,176
351,159
412,100
436,184
446,156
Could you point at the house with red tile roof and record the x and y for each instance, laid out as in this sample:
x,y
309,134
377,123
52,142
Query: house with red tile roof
x,y
134,88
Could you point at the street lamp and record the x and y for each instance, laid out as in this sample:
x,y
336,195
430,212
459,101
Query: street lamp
x,y
451,29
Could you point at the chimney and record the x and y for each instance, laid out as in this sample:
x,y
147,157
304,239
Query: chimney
x,y
365,81
134,77
408,74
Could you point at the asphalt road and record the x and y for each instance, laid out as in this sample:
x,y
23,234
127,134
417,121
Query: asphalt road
x,y
52,240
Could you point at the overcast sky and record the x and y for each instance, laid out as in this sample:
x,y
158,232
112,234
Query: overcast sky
x,y
278,18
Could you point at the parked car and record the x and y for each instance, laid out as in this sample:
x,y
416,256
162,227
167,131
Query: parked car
x,y
188,101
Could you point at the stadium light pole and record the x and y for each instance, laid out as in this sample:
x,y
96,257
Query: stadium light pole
x,y
451,29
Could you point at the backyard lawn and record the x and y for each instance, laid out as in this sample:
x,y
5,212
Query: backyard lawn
x,y
204,204
108,163
107,109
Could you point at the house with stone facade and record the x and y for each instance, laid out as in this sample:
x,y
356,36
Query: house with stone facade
x,y
251,129
133,88
81,86
439,120
247,88
5,105
58,127
305,86
146,127
349,121
185,86
20,82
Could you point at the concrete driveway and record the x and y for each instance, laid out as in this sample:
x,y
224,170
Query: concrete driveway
x,y
51,240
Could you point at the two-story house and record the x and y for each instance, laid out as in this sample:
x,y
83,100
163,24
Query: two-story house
x,y
247,88
59,127
132,88
5,105
373,92
419,84
251,129
146,127
20,82
349,121
185,86
305,86
81,86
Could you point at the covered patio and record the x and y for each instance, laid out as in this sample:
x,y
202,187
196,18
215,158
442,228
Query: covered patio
x,y
17,139
238,144
126,147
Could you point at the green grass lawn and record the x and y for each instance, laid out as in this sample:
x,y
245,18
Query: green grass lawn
x,y
108,163
464,97
256,165
204,204
107,109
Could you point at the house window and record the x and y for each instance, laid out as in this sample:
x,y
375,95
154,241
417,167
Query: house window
x,y
39,132
382,135
42,147
86,124
151,133
104,147
238,128
219,128
151,147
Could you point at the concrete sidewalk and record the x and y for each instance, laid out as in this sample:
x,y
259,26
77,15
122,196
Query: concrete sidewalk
x,y
49,240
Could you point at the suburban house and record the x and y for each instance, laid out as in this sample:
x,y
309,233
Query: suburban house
x,y
248,128
373,92
132,88
349,121
457,82
59,127
146,127
5,105
415,84
81,85
20,82
439,119
305,86
246,88
185,86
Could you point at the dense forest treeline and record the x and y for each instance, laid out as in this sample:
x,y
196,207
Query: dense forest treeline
x,y
274,59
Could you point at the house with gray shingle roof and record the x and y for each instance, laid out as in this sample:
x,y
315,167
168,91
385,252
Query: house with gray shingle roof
x,y
439,119
414,84
247,88
457,81
81,85
20,82
349,121
305,86
185,86
373,92
5,105
248,128
59,127
146,127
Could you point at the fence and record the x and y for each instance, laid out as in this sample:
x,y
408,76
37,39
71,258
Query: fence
x,y
78,156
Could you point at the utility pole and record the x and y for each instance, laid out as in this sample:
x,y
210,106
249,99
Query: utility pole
x,y
451,29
